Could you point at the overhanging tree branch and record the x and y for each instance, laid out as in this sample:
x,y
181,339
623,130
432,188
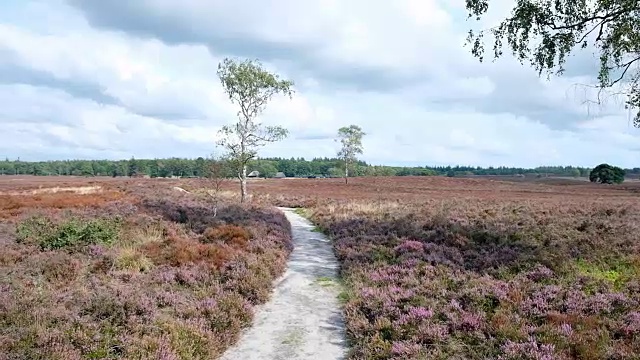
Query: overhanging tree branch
x,y
562,25
626,67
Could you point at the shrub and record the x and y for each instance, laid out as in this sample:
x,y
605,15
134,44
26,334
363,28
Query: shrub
x,y
227,315
61,267
10,256
251,280
229,234
72,232
34,229
607,174
143,287
180,251
488,279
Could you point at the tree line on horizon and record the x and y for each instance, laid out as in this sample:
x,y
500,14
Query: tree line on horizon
x,y
269,167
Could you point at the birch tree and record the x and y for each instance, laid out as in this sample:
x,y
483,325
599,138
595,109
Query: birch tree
x,y
251,87
350,137
216,172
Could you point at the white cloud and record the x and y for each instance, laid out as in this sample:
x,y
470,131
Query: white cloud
x,y
120,79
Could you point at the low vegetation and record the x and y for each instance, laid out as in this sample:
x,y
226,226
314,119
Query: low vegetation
x,y
431,267
469,278
142,273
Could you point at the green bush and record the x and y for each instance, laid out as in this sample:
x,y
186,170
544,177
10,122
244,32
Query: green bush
x,y
71,232
607,174
34,228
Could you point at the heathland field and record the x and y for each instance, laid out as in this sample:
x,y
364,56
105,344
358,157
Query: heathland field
x,y
432,267
129,270
441,268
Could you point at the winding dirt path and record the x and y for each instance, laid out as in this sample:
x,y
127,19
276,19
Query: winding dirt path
x,y
303,319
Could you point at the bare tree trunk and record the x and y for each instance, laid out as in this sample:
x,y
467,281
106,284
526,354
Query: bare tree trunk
x,y
243,184
346,172
216,198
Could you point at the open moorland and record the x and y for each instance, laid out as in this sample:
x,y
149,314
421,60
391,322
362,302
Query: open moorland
x,y
439,268
115,269
433,267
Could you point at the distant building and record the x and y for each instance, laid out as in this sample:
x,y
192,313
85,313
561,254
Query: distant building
x,y
280,175
254,174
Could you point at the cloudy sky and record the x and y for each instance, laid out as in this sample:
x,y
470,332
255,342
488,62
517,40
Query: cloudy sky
x,y
115,79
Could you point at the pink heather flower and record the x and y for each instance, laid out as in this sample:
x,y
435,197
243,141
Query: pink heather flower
x,y
540,272
500,290
247,307
96,250
632,323
167,299
164,351
527,350
403,320
410,263
471,321
409,246
433,332
208,304
368,292
566,329
405,348
167,275
420,312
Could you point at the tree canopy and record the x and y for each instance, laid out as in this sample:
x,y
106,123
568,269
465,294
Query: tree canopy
x,y
544,32
607,174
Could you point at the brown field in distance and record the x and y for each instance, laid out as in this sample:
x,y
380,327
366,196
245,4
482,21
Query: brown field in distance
x,y
417,188
384,188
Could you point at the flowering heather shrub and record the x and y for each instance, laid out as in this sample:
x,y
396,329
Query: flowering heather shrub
x,y
77,284
61,268
483,279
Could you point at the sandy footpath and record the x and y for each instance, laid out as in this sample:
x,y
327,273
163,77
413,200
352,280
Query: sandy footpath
x,y
302,320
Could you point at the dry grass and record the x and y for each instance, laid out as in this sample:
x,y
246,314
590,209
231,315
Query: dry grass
x,y
81,190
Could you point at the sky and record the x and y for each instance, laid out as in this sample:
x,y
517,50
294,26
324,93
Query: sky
x,y
85,79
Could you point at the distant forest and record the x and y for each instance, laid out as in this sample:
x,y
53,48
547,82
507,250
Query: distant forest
x,y
268,167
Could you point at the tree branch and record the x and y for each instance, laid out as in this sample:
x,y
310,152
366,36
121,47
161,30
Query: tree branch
x,y
626,68
605,18
601,25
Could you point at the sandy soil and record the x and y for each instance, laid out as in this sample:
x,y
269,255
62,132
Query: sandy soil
x,y
303,319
